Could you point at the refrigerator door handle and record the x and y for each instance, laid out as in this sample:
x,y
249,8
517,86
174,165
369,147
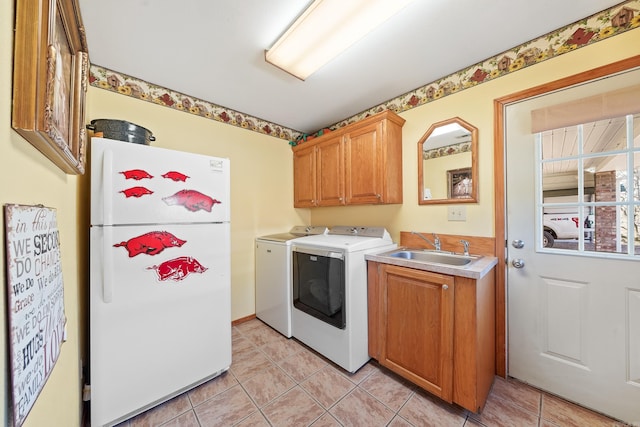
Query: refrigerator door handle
x,y
107,265
107,190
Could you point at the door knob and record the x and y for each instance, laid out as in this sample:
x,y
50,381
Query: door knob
x,y
517,263
518,244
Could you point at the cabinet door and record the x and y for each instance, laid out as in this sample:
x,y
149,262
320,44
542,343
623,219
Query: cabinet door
x,y
304,178
416,322
364,168
330,172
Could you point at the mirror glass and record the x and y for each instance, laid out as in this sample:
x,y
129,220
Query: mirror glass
x,y
447,165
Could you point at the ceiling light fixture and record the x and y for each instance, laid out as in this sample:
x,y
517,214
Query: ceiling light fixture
x,y
324,30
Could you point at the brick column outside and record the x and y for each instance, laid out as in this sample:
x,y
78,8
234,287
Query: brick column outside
x,y
605,216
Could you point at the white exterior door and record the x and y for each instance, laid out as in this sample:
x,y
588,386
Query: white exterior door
x,y
574,307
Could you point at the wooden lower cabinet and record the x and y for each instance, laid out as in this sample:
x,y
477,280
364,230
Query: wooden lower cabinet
x,y
435,330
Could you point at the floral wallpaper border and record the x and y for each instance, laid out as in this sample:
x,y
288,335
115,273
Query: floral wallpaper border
x,y
130,86
449,150
600,26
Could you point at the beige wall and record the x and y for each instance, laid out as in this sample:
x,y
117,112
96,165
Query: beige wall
x,y
27,177
434,172
261,190
475,106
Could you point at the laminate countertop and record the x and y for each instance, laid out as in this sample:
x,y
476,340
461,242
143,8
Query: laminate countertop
x,y
474,270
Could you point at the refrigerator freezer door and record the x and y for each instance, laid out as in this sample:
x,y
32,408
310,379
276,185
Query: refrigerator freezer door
x,y
139,184
167,324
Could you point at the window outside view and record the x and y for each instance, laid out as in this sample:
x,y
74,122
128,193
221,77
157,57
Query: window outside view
x,y
589,197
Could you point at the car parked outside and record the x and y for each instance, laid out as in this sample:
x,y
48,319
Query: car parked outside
x,y
565,226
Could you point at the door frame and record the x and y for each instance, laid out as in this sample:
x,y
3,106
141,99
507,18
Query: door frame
x,y
499,105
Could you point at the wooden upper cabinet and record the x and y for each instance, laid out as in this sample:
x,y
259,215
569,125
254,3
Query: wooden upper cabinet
x,y
358,164
304,177
330,172
318,174
373,169
365,169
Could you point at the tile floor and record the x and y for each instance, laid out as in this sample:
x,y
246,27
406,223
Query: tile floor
x,y
274,381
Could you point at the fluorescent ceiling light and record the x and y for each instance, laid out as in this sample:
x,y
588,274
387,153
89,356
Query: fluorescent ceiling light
x,y
325,29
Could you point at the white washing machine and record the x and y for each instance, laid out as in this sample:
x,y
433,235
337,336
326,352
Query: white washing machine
x,y
329,297
273,276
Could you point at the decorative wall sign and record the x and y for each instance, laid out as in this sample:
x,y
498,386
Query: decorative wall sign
x,y
35,301
50,79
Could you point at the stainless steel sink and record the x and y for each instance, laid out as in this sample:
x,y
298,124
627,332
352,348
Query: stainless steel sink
x,y
433,257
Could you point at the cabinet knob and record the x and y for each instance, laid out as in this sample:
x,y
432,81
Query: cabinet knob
x,y
378,196
445,287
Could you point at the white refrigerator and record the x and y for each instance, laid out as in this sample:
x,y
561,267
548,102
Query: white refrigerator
x,y
160,303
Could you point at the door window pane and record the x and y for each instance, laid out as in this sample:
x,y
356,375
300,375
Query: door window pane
x,y
589,188
605,135
636,177
560,143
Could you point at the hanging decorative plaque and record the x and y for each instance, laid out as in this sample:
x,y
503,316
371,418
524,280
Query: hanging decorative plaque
x,y
35,301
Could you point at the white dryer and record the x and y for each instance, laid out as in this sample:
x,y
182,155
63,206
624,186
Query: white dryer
x,y
329,296
273,276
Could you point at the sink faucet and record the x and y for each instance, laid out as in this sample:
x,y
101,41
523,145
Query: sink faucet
x,y
435,243
465,245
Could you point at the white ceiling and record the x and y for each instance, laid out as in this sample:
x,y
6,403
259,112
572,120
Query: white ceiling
x,y
214,50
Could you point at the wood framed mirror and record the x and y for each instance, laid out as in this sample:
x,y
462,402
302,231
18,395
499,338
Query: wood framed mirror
x,y
447,163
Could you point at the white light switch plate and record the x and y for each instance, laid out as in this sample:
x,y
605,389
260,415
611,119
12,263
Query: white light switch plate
x,y
457,213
